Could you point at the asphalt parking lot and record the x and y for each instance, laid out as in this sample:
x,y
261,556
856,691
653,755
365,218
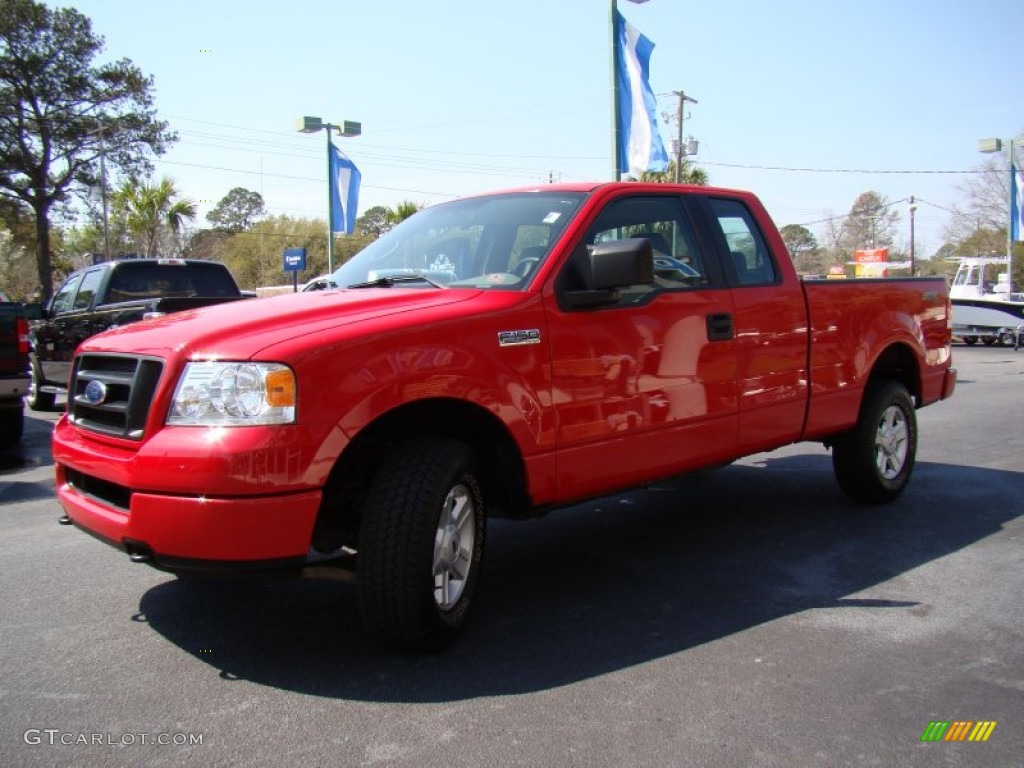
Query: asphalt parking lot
x,y
750,616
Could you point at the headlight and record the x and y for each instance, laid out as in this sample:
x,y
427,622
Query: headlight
x,y
224,394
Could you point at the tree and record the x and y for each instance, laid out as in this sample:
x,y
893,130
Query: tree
x,y
208,244
17,218
237,210
870,223
835,253
798,239
254,256
59,112
375,222
403,211
986,208
151,212
14,277
808,257
978,228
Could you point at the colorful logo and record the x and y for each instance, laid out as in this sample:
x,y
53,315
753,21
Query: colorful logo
x,y
958,730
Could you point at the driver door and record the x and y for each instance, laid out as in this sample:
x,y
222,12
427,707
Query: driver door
x,y
644,387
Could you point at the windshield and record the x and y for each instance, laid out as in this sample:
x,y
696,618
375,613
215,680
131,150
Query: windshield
x,y
482,242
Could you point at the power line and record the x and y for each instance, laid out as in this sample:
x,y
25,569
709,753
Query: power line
x,y
851,214
301,178
836,170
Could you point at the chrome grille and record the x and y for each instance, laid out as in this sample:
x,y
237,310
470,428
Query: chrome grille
x,y
118,402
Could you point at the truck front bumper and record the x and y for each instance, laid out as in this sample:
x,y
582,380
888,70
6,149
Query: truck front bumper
x,y
194,533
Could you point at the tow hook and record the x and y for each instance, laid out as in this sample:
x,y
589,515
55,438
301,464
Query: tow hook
x,y
64,520
139,552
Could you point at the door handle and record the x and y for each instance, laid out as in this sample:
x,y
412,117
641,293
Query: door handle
x,y
719,326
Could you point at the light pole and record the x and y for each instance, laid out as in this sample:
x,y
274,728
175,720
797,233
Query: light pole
x,y
347,128
989,146
103,192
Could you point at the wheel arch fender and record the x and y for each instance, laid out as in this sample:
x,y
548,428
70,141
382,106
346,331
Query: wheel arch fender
x,y
898,362
501,464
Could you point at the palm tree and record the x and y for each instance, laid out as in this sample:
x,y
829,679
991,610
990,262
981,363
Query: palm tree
x,y
151,209
691,174
403,211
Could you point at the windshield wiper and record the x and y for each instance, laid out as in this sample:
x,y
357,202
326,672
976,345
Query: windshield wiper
x,y
388,280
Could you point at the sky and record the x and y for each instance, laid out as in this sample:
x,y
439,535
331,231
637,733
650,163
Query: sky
x,y
808,103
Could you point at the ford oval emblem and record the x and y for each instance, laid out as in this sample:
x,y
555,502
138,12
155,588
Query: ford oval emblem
x,y
95,392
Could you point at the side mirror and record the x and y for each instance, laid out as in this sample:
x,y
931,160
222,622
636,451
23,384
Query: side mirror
x,y
621,263
611,266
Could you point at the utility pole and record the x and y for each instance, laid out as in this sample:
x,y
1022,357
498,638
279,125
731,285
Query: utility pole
x,y
913,210
680,147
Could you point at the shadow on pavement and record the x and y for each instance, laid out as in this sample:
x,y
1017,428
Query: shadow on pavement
x,y
605,585
33,450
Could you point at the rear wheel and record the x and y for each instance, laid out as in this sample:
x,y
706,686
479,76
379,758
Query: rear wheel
x,y
421,545
873,461
37,399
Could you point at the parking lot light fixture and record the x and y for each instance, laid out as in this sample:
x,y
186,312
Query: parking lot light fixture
x,y
990,146
347,128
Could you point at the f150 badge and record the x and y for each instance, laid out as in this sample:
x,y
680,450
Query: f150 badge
x,y
516,338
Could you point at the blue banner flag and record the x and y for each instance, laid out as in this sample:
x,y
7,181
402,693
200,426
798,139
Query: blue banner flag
x,y
1016,203
346,179
641,148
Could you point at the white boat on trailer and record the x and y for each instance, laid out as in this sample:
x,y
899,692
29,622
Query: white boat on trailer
x,y
985,309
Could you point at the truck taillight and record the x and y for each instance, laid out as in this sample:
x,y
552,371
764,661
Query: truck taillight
x,y
22,325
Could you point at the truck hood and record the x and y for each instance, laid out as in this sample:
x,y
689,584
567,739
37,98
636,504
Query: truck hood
x,y
239,330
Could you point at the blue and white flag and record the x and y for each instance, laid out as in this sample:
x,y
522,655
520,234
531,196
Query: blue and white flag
x,y
346,192
640,148
1016,203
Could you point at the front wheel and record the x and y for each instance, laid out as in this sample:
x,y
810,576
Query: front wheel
x,y
421,544
874,460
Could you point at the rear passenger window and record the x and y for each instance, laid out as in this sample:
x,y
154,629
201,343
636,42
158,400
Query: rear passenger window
x,y
748,256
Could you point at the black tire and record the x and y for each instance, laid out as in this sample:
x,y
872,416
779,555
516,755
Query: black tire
x,y
12,426
873,461
36,399
407,536
970,341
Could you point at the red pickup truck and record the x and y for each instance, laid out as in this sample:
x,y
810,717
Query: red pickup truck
x,y
499,355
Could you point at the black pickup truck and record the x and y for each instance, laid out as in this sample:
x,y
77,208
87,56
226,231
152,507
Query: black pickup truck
x,y
13,372
111,294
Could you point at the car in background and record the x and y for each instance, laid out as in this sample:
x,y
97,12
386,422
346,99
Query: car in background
x,y
322,283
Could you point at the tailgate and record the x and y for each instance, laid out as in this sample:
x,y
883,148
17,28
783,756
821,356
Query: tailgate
x,y
12,355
